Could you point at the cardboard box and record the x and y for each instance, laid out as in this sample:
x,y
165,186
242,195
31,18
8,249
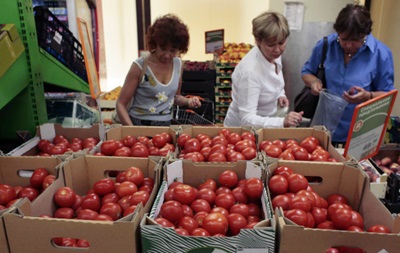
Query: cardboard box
x,y
16,171
159,239
11,46
104,236
48,131
379,186
350,181
299,134
109,99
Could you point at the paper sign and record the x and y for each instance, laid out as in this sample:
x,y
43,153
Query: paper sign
x,y
368,126
214,41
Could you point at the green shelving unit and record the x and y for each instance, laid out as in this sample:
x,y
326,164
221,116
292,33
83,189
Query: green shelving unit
x,y
22,100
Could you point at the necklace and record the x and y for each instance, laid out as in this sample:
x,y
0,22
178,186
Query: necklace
x,y
349,55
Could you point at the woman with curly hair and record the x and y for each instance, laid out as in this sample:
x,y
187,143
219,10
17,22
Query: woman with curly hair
x,y
159,88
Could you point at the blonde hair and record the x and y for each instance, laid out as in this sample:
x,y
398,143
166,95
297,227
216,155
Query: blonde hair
x,y
270,26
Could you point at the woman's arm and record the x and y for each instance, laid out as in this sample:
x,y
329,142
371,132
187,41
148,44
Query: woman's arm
x,y
127,93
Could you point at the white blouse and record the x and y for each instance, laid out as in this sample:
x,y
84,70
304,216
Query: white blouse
x,y
256,86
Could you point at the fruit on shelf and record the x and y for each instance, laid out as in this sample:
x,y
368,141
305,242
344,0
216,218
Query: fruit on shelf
x,y
112,95
234,52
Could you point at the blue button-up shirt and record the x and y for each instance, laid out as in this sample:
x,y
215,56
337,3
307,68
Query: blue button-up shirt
x,y
370,68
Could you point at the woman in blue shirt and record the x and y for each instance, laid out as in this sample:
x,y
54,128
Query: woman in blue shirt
x,y
357,65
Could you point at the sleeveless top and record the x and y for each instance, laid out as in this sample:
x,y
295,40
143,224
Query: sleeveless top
x,y
154,100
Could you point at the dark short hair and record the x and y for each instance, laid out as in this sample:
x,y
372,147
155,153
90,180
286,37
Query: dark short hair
x,y
168,30
354,20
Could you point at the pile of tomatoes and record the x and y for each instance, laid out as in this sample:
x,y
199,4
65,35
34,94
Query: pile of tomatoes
x,y
61,145
39,181
291,192
107,200
309,149
220,207
227,146
140,146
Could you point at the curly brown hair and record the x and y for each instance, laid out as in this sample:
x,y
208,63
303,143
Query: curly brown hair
x,y
168,30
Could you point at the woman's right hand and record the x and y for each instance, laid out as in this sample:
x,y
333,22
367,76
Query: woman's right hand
x,y
316,87
293,119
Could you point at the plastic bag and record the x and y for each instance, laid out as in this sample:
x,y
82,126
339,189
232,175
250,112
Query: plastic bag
x,y
329,110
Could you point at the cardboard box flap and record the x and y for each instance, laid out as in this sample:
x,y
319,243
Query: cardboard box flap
x,y
117,133
49,130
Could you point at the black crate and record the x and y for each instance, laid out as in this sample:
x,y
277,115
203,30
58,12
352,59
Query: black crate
x,y
393,188
393,207
54,37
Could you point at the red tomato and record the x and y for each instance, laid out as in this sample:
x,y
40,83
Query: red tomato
x,y
129,210
309,194
124,151
91,201
199,217
225,132
111,209
297,182
241,145
332,209
222,189
199,205
218,148
82,243
357,219
104,186
28,192
254,187
379,229
42,145
248,136
300,153
341,218
322,152
309,145
184,194
64,213
139,197
298,216
240,195
38,175
148,181
110,198
314,139
206,143
56,149
128,141
192,145
236,223
209,183
200,232
205,151
108,147
125,202
126,188
217,157
283,170
249,153
319,214
188,223
135,175
139,150
272,150
215,223
300,202
337,198
242,209
280,143
332,250
355,229
219,139
263,144
172,211
64,197
281,201
187,211
233,138
182,231
278,184
87,214
326,225
167,136
206,194
225,200
159,140
164,222
228,178
182,139
220,210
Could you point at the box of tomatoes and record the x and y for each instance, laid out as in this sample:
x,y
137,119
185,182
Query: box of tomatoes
x,y
213,207
301,144
218,144
329,206
97,207
153,140
18,179
53,139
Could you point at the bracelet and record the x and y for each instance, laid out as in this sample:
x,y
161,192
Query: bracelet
x,y
370,94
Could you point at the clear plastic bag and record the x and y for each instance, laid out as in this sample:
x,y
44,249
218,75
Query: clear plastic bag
x,y
329,110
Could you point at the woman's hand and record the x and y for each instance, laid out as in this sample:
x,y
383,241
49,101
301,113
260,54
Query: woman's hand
x,y
357,95
293,119
193,102
283,102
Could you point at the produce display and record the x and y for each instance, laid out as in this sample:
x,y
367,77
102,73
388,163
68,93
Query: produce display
x,y
112,95
308,149
388,164
234,52
227,146
61,145
140,146
39,181
215,208
291,192
197,66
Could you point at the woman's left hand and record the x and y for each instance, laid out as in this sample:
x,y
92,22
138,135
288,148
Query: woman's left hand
x,y
356,95
283,102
